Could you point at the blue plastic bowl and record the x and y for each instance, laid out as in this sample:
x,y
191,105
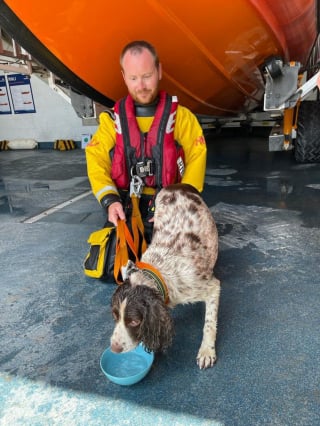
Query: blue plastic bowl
x,y
126,368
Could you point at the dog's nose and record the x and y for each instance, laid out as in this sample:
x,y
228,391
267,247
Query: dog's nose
x,y
116,347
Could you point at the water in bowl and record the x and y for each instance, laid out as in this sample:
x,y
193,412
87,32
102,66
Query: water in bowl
x,y
127,365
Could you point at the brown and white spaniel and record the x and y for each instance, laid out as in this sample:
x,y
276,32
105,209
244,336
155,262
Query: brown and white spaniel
x,y
177,267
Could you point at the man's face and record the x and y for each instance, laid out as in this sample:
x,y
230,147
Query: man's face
x,y
141,76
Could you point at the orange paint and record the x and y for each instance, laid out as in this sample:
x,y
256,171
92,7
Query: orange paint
x,y
212,51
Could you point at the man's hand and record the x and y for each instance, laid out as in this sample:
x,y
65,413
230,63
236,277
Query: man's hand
x,y
115,212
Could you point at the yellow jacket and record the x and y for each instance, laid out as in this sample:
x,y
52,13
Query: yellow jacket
x,y
187,133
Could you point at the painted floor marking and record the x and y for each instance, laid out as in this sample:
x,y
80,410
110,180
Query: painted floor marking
x,y
56,208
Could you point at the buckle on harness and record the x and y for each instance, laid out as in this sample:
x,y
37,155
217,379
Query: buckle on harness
x,y
136,186
143,168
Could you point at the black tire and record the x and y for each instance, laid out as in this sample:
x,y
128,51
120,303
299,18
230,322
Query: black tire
x,y
307,144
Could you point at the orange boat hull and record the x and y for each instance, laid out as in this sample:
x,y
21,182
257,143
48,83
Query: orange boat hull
x,y
212,51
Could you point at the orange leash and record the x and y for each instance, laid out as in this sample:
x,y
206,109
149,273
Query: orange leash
x,y
123,244
137,226
124,239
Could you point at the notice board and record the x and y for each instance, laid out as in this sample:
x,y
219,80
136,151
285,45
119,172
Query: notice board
x,y
21,93
5,107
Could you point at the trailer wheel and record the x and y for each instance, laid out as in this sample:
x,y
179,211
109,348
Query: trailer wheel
x,y
307,143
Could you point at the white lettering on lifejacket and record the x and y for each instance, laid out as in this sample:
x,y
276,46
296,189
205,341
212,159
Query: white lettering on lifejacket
x,y
117,123
170,123
180,165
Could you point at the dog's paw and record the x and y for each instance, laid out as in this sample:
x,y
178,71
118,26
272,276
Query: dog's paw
x,y
206,357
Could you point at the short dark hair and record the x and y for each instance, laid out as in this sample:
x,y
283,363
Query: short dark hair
x,y
136,47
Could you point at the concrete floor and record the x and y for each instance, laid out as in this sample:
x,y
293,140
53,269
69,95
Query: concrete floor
x,y
55,322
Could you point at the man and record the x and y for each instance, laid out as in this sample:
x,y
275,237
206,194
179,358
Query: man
x,y
150,141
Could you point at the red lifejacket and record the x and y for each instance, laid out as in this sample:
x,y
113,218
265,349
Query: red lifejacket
x,y
158,146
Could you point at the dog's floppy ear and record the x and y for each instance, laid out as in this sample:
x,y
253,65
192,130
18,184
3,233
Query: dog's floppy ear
x,y
128,269
157,329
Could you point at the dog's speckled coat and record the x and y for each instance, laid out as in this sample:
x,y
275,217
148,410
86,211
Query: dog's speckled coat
x,y
184,250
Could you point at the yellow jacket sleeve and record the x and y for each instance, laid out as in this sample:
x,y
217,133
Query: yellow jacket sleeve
x,y
98,158
188,133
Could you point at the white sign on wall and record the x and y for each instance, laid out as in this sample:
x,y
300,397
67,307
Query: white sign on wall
x,y
21,93
5,107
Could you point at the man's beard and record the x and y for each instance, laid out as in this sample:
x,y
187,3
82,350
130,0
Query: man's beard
x,y
145,96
